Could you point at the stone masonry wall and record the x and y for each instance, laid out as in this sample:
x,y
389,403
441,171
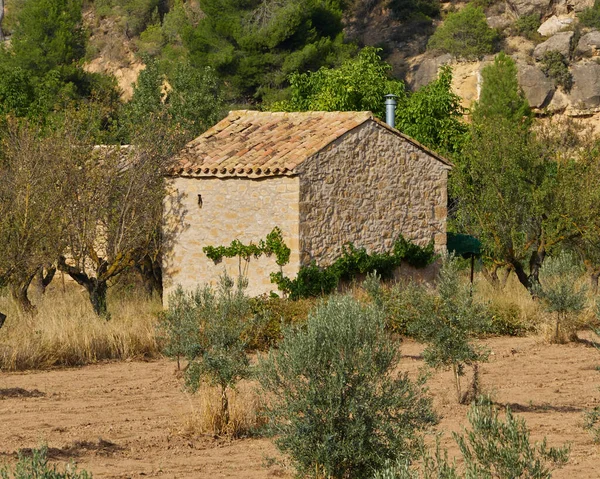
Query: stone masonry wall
x,y
367,188
232,208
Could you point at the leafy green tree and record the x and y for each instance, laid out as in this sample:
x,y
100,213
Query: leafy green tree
x,y
432,115
41,71
448,324
465,34
501,97
192,103
338,407
559,289
255,44
208,328
507,181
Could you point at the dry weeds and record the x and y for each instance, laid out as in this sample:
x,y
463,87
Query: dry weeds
x,y
66,332
205,415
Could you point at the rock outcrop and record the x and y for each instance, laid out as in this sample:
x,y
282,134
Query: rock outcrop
x,y
585,94
561,42
589,45
537,87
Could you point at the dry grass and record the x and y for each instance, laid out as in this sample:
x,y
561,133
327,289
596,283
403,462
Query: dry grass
x,y
66,332
205,416
531,314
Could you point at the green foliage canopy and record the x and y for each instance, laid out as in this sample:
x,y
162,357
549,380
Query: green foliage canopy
x,y
338,407
465,34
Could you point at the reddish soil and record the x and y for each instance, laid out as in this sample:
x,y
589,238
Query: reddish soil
x,y
123,420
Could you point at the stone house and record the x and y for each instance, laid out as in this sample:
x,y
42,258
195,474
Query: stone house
x,y
324,178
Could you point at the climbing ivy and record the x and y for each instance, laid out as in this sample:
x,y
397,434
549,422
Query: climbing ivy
x,y
272,245
314,280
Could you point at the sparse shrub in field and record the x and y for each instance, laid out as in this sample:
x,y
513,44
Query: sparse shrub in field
x,y
402,303
207,327
465,34
206,417
506,320
449,325
527,25
36,466
592,423
561,293
493,448
337,407
269,316
555,66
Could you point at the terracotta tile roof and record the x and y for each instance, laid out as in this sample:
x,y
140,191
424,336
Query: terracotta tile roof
x,y
257,144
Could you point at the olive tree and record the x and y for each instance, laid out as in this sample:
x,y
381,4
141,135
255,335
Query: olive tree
x,y
337,406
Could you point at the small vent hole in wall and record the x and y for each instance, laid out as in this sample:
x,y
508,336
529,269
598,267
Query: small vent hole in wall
x,y
199,201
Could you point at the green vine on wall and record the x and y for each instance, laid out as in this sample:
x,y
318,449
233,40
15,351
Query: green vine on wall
x,y
313,280
272,245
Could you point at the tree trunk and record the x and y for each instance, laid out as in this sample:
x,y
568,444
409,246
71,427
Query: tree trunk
x,y
531,280
97,293
491,275
1,20
151,275
594,281
2,319
43,278
19,293
224,406
95,287
457,383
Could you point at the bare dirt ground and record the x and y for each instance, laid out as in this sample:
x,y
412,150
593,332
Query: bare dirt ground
x,y
124,420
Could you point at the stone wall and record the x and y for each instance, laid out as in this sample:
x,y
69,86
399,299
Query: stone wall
x,y
367,188
232,208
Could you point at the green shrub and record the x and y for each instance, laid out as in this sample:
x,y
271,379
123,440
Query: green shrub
x,y
527,26
493,448
560,292
555,66
36,466
590,17
591,423
449,324
270,316
338,406
415,9
506,320
208,328
465,34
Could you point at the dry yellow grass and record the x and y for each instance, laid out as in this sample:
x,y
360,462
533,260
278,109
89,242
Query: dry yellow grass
x,y
205,415
66,332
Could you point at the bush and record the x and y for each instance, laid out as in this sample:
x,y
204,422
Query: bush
x,y
555,66
591,423
448,325
207,328
506,320
465,34
590,17
337,406
36,466
415,9
493,448
527,26
560,292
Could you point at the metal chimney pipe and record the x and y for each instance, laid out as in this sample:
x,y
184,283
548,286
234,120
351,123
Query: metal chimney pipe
x,y
390,110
